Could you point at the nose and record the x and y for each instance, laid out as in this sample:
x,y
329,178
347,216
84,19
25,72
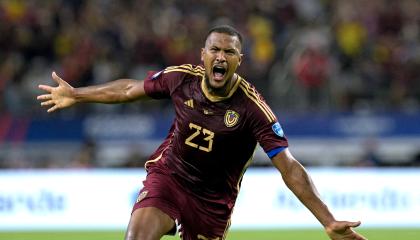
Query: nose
x,y
220,57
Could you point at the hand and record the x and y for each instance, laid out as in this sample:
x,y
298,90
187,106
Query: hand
x,y
342,230
59,97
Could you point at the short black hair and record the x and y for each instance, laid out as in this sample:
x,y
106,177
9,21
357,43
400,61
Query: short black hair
x,y
229,30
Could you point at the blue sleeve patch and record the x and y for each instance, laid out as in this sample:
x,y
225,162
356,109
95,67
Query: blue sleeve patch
x,y
275,151
277,129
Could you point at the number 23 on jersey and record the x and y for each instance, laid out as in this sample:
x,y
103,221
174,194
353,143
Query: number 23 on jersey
x,y
204,133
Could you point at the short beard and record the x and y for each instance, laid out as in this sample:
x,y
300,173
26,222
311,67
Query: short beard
x,y
216,91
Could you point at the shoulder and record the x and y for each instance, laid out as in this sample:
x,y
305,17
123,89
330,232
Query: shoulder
x,y
255,102
185,69
164,83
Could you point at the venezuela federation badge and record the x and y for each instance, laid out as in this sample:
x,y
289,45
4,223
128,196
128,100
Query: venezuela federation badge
x,y
231,118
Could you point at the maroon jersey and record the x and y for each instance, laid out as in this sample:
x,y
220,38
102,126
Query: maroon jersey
x,y
212,139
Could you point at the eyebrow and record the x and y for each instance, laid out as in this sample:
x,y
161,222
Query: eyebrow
x,y
226,50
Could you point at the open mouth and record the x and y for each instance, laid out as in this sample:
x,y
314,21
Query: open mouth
x,y
219,72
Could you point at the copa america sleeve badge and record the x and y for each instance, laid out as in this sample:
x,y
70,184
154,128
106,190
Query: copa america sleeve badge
x,y
277,129
231,118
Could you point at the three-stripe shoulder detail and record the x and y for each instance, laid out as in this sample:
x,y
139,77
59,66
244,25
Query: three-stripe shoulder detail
x,y
187,68
251,93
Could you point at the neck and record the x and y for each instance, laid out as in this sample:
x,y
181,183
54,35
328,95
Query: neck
x,y
223,91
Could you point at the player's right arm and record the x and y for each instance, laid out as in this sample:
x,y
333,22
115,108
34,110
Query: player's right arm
x,y
300,183
64,95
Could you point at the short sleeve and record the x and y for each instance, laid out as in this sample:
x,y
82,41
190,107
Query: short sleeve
x,y
270,135
160,84
266,129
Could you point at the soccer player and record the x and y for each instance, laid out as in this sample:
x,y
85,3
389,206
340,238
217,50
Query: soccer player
x,y
193,178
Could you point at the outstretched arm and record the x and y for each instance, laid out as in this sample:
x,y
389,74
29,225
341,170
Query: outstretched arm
x,y
300,183
64,95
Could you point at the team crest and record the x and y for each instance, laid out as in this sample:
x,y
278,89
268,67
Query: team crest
x,y
231,118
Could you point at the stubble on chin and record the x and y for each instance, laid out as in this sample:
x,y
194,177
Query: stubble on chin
x,y
218,91
211,88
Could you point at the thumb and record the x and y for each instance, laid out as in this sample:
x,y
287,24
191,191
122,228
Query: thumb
x,y
353,224
56,78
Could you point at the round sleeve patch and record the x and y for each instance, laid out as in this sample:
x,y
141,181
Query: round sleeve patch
x,y
277,129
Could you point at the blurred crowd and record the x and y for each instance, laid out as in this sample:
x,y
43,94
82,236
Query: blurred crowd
x,y
303,55
329,55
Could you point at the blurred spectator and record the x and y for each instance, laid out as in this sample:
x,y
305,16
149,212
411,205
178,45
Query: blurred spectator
x,y
86,157
376,42
312,70
135,159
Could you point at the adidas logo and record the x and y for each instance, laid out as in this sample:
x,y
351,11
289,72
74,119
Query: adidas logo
x,y
189,103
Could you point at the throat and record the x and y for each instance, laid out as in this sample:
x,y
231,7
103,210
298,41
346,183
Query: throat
x,y
222,91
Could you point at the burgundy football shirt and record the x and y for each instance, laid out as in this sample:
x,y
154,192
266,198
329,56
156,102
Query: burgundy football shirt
x,y
212,139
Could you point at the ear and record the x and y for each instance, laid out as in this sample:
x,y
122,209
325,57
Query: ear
x,y
240,59
202,54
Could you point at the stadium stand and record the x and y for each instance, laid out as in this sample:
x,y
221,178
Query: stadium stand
x,y
342,74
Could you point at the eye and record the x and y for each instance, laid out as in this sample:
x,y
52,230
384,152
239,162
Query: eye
x,y
214,49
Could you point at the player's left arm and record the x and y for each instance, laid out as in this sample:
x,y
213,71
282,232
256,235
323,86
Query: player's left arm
x,y
300,183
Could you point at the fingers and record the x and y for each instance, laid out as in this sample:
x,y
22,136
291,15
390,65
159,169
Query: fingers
x,y
355,235
344,230
52,109
47,98
45,87
47,103
358,237
44,97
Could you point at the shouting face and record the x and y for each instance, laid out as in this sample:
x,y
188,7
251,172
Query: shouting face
x,y
221,57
